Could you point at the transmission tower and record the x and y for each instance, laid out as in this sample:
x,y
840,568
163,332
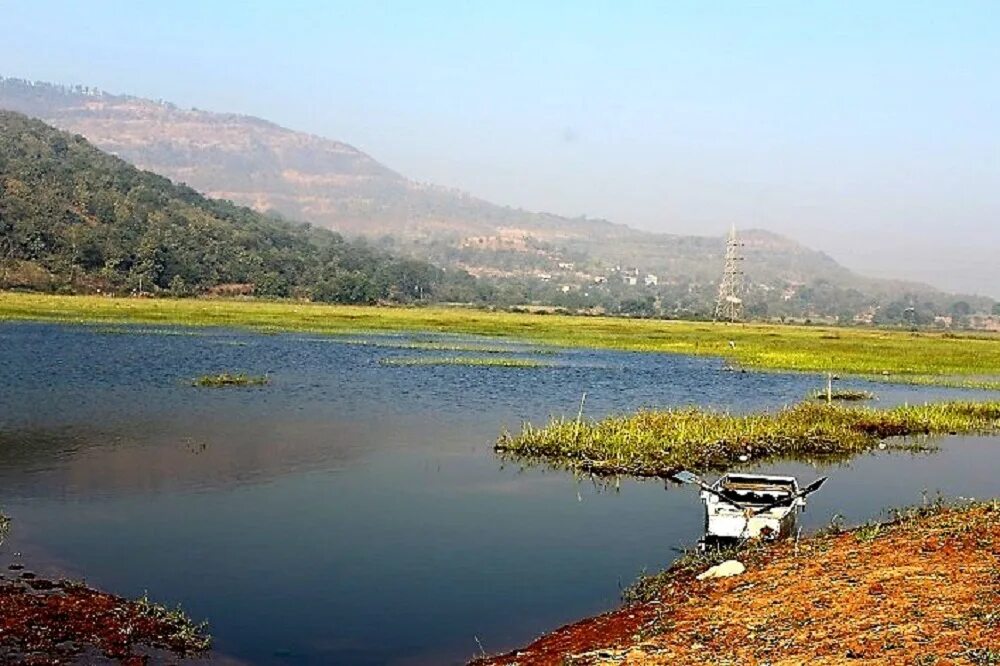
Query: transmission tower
x,y
729,306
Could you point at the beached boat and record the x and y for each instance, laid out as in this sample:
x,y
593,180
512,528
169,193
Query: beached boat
x,y
746,506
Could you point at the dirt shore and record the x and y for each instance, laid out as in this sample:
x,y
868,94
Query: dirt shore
x,y
60,622
923,589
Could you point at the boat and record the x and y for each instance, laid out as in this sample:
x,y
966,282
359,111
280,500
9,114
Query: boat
x,y
742,506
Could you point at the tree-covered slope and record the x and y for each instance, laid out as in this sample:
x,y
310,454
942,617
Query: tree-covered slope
x,y
75,218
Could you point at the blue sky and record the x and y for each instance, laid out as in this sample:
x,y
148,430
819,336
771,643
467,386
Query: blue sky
x,y
870,130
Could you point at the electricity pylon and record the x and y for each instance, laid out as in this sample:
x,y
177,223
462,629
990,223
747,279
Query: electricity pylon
x,y
729,306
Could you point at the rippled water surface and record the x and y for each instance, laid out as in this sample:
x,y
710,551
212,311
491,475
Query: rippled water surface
x,y
352,512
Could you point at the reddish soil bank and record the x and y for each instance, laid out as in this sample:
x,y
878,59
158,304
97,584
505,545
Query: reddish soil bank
x,y
46,622
923,590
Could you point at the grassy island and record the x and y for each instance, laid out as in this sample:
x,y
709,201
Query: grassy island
x,y
229,379
660,442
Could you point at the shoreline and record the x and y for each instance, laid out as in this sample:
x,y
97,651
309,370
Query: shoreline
x,y
60,621
919,589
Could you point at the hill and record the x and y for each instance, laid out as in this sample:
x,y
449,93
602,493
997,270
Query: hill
x,y
534,257
77,219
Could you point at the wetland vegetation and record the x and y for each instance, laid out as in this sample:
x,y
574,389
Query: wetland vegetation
x,y
947,359
843,395
491,361
230,379
660,442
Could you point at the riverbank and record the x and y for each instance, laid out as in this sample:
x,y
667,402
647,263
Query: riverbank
x,y
949,359
659,442
921,589
46,622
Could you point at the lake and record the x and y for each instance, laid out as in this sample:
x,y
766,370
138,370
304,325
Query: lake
x,y
352,512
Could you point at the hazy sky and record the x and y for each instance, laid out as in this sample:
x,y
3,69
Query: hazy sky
x,y
870,130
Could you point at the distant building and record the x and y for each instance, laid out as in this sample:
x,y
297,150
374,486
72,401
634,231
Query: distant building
x,y
544,277
651,280
600,279
630,280
567,265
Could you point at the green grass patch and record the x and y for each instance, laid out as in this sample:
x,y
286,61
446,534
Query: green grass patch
x,y
183,633
661,442
948,359
493,361
229,379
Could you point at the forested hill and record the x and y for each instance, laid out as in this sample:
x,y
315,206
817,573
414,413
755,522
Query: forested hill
x,y
73,218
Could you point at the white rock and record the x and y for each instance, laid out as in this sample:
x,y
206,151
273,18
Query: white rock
x,y
727,568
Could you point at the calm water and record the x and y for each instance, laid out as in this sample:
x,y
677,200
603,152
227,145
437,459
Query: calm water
x,y
353,513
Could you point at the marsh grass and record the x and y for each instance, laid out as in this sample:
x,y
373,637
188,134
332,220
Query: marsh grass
x,y
661,442
185,635
420,345
136,330
227,379
843,395
966,360
493,362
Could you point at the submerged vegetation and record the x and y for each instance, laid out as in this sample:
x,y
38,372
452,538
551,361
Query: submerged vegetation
x,y
493,361
897,356
228,379
843,395
660,442
428,345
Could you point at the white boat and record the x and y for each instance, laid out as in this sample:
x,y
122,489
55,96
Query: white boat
x,y
749,506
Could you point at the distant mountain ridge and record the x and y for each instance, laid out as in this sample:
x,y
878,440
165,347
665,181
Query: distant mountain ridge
x,y
73,218
257,163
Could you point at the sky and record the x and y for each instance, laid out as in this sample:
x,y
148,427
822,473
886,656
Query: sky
x,y
869,130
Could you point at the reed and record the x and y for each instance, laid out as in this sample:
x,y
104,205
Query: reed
x,y
661,442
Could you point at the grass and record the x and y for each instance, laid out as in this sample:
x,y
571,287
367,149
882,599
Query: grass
x,y
843,395
661,442
493,362
183,632
969,360
228,379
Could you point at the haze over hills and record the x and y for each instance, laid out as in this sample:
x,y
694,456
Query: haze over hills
x,y
332,184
